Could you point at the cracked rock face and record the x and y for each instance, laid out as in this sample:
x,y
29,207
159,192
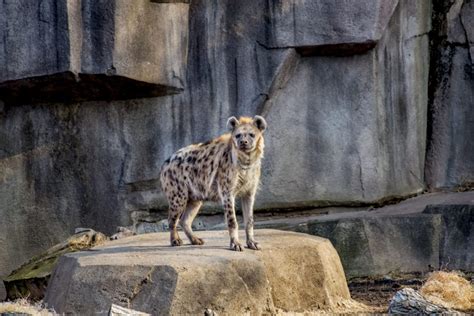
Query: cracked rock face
x,y
70,51
353,139
293,272
293,23
451,120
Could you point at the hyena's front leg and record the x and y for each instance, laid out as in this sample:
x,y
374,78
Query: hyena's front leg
x,y
247,210
228,202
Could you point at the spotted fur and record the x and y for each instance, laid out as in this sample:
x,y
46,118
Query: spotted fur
x,y
219,170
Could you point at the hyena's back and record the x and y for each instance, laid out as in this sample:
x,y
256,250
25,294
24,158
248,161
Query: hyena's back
x,y
192,172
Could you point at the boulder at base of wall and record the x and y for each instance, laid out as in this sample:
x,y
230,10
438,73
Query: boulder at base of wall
x,y
293,272
31,279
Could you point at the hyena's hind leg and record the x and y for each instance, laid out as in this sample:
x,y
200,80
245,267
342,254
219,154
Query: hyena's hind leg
x,y
186,221
176,209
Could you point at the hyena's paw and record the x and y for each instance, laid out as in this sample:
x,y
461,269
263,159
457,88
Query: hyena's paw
x,y
176,242
252,244
197,241
236,246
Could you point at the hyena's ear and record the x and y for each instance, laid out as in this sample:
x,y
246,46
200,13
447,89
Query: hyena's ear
x,y
232,123
260,123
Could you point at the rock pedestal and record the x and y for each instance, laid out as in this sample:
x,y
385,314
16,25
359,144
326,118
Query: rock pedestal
x,y
293,272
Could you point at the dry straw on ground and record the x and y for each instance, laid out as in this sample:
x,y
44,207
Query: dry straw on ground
x,y
450,290
342,307
22,306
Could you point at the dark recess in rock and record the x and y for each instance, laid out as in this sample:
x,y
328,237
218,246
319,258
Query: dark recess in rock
x,y
345,49
68,88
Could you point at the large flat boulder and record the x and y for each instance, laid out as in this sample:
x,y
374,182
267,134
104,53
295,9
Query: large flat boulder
x,y
382,245
31,279
429,231
64,51
293,272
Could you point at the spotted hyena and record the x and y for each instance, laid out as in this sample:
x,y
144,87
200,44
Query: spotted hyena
x,y
219,170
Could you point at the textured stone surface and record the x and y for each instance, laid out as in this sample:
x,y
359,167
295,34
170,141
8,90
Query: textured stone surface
x,y
377,246
455,31
31,279
351,139
467,14
309,23
332,139
89,50
293,272
409,301
3,292
450,145
116,310
457,239
429,230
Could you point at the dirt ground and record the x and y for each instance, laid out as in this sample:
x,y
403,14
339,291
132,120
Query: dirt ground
x,y
373,292
378,292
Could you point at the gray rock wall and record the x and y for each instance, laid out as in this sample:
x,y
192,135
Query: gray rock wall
x,y
333,138
91,50
65,165
354,125
347,110
339,22
450,147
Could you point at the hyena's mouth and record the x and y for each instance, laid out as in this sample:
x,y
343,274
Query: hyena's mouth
x,y
245,148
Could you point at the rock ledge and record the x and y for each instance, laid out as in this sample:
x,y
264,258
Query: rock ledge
x,y
293,272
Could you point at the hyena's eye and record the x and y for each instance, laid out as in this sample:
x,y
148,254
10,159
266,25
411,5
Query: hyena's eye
x,y
252,135
238,135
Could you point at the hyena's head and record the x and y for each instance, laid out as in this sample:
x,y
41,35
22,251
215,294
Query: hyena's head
x,y
247,133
